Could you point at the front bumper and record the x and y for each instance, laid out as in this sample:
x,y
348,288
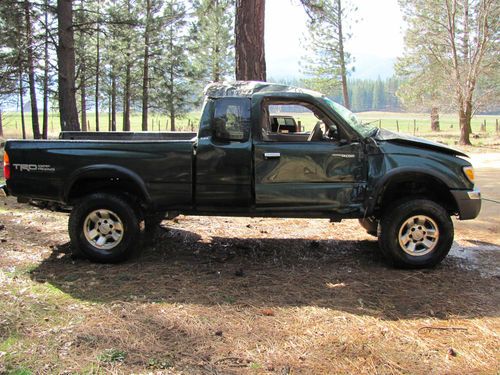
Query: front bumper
x,y
3,191
468,203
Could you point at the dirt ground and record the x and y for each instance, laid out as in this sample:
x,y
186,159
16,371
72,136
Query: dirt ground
x,y
218,295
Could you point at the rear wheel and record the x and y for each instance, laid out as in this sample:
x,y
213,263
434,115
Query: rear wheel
x,y
415,233
104,227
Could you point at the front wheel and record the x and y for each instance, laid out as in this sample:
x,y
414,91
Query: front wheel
x,y
104,227
415,234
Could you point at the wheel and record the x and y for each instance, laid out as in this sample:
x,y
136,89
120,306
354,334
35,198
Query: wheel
x,y
370,225
415,233
104,227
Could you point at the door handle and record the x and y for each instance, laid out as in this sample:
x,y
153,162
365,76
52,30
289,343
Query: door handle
x,y
272,155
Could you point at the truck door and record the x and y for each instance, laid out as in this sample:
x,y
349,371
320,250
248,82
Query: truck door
x,y
224,156
312,171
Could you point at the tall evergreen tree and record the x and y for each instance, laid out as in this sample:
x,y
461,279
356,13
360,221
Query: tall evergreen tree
x,y
378,98
328,65
66,66
249,33
213,37
174,70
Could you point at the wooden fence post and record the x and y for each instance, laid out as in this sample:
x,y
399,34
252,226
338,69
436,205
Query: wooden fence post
x,y
414,126
397,125
483,126
380,124
497,128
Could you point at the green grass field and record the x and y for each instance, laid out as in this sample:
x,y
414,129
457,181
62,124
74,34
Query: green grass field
x,y
411,123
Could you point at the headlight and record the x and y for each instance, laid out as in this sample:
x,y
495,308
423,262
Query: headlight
x,y
469,173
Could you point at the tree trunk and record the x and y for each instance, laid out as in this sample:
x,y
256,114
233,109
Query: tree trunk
x,y
465,115
113,103
66,66
126,100
171,85
21,100
126,93
249,33
145,76
343,69
172,119
109,112
435,119
98,67
45,123
31,71
216,72
1,126
83,91
83,100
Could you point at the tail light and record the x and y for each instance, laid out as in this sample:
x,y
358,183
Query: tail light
x,y
6,166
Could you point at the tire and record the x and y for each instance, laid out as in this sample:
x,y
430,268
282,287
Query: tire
x,y
405,237
104,227
370,225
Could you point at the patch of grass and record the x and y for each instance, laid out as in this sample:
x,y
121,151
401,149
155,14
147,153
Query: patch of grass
x,y
19,371
255,366
8,342
160,364
112,355
229,300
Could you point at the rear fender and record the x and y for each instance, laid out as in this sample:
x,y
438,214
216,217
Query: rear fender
x,y
104,171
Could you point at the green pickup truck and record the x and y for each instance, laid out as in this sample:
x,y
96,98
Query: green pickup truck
x,y
402,189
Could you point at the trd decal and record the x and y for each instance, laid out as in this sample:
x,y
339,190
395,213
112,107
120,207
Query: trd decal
x,y
33,168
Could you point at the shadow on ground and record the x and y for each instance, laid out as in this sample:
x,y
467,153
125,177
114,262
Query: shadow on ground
x,y
351,276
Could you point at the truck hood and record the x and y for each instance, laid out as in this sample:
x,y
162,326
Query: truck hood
x,y
388,136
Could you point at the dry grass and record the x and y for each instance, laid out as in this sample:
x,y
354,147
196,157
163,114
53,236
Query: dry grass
x,y
238,295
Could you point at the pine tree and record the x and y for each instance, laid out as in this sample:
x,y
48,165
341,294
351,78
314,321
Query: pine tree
x,y
66,66
213,38
378,98
328,65
173,72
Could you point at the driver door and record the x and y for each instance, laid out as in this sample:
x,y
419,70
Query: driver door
x,y
308,172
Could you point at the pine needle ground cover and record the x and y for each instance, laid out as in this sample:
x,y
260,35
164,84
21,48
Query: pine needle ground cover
x,y
219,295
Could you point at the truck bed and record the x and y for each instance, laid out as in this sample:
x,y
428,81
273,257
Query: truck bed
x,y
49,169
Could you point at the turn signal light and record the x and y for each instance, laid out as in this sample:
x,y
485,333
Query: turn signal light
x,y
6,166
469,172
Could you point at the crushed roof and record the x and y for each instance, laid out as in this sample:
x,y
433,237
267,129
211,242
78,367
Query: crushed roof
x,y
249,88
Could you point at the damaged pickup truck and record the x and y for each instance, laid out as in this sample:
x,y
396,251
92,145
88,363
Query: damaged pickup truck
x,y
402,189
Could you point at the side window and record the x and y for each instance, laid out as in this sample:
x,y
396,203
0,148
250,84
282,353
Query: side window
x,y
296,122
231,121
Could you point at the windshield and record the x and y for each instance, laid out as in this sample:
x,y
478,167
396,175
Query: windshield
x,y
364,129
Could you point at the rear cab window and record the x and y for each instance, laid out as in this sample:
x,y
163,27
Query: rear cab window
x,y
231,120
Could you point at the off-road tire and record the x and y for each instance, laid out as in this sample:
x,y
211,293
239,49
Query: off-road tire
x,y
392,223
370,225
129,222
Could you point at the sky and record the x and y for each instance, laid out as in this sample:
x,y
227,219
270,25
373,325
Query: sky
x,y
376,41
